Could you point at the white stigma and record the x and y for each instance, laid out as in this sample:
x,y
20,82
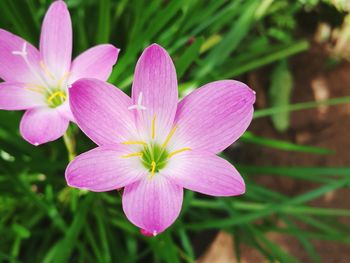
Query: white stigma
x,y
23,52
154,233
139,105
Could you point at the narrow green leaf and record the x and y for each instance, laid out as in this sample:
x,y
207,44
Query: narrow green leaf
x,y
249,137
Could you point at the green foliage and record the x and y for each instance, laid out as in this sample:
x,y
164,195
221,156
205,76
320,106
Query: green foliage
x,y
279,94
42,220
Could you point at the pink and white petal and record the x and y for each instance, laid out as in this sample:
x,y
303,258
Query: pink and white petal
x,y
18,96
155,80
104,169
42,125
205,173
97,62
65,111
213,116
13,67
152,204
101,111
56,39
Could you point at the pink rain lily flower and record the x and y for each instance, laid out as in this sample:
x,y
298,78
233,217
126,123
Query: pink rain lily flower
x,y
37,81
153,145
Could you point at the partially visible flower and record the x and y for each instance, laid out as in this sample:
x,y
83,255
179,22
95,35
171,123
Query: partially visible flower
x,y
38,81
154,146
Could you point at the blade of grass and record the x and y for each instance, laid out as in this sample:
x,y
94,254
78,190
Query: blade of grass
x,y
300,106
104,17
270,209
249,137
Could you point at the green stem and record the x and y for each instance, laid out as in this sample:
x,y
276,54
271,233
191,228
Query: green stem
x,y
69,142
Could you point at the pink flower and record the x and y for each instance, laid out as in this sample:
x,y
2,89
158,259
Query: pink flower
x,y
153,145
38,81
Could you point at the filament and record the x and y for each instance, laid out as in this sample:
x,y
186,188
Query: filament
x,y
178,151
169,137
138,154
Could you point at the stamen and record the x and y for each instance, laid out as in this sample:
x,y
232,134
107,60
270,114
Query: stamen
x,y
138,154
65,75
36,88
135,142
55,94
169,137
154,127
46,70
178,151
153,169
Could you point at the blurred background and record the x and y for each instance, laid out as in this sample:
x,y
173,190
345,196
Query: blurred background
x,y
294,157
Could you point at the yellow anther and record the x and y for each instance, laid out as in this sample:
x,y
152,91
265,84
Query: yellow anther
x,y
46,70
169,137
154,127
135,142
138,154
153,169
178,151
153,164
55,94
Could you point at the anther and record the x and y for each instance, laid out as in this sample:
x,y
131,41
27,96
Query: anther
x,y
154,127
153,169
55,94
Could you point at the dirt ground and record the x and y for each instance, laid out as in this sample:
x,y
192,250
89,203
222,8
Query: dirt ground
x,y
326,127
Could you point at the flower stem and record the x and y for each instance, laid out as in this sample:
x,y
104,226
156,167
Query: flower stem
x,y
69,142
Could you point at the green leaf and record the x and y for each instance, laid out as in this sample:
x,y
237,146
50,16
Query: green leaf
x,y
280,94
249,137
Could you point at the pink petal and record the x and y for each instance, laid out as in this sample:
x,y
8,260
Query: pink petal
x,y
14,67
96,62
101,111
205,173
65,111
42,125
152,204
155,78
56,39
213,116
104,169
17,96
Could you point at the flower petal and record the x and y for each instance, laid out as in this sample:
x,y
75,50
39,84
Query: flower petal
x,y
42,125
18,96
101,111
152,204
13,67
96,62
155,80
65,111
205,173
104,169
56,39
213,116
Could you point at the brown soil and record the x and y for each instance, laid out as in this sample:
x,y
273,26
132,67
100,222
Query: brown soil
x,y
325,127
